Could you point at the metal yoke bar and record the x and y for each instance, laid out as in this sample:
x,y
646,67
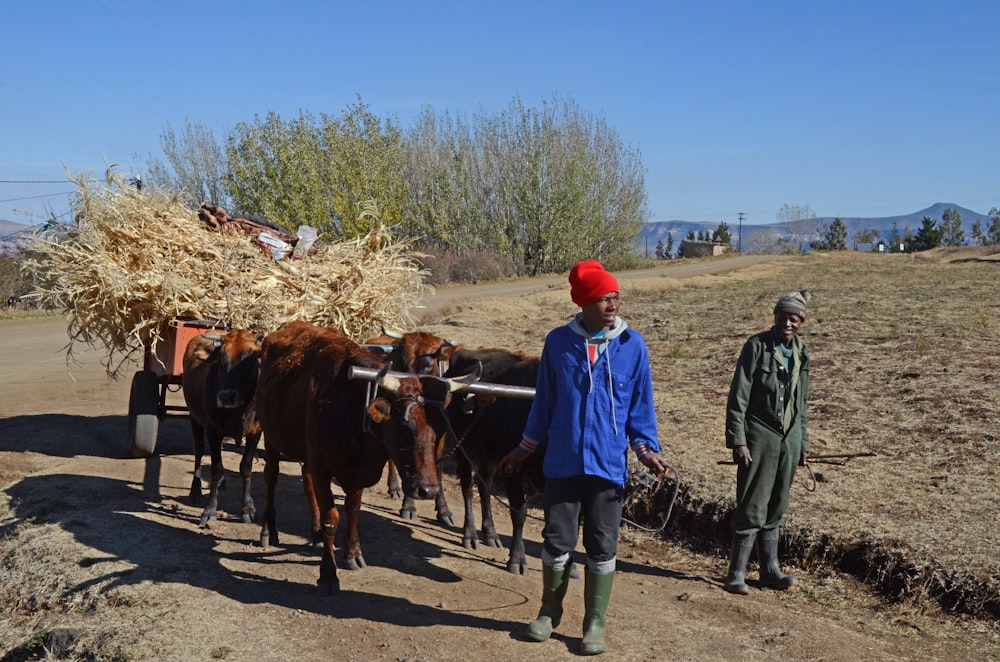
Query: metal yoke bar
x,y
498,390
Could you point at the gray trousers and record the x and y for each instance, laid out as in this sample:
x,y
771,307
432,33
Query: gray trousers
x,y
595,501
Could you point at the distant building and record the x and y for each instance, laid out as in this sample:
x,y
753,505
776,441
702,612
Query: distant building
x,y
695,248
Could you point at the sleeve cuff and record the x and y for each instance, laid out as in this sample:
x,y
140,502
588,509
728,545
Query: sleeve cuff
x,y
528,445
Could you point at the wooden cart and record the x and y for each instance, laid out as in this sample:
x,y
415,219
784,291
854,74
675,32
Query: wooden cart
x,y
161,373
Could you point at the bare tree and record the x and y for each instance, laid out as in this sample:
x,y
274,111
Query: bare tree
x,y
196,165
803,225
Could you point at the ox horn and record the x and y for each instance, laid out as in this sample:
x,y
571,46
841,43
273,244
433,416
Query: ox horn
x,y
385,380
459,383
392,334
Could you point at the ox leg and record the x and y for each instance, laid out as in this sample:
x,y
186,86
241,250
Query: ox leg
x,y
353,557
316,526
269,530
393,484
470,540
209,516
444,516
517,562
199,452
329,583
246,472
488,529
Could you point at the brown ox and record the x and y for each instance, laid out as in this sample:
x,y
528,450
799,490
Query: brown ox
x,y
310,411
488,427
423,353
218,380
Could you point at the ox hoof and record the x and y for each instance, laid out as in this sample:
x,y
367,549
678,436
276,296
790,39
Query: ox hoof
x,y
208,521
408,514
470,542
248,517
396,494
517,567
355,562
446,520
493,541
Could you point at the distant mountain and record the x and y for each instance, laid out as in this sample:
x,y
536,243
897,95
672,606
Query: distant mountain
x,y
17,235
10,227
800,233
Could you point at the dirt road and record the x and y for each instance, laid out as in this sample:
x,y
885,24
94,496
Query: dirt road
x,y
108,547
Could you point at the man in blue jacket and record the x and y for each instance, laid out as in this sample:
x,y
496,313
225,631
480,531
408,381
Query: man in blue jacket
x,y
593,400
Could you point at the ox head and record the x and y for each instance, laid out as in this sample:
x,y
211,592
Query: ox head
x,y
237,353
414,424
418,352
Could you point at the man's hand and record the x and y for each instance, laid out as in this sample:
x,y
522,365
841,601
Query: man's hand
x,y
654,463
741,456
804,458
513,460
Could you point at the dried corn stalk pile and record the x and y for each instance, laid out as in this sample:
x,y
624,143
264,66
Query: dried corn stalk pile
x,y
138,259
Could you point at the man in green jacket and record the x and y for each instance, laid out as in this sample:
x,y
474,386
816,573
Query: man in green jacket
x,y
766,430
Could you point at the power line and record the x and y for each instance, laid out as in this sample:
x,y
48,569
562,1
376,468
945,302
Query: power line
x,y
35,197
32,181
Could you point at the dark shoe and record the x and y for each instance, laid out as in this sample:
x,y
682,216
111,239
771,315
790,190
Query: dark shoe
x,y
739,555
771,575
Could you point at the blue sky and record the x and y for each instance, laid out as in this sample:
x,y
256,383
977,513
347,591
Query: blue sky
x,y
854,108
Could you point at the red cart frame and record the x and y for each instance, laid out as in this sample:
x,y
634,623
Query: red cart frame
x,y
147,404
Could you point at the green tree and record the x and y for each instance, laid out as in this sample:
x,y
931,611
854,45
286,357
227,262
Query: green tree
x,y
951,228
928,236
989,236
363,160
669,253
866,236
690,235
722,232
540,187
835,238
659,250
277,171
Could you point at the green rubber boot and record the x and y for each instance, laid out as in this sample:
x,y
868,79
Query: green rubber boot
x,y
739,555
770,570
554,585
596,596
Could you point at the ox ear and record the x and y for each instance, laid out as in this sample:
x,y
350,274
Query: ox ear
x,y
449,349
206,345
379,410
459,383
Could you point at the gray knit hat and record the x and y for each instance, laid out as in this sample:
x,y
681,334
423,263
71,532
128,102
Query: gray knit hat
x,y
793,302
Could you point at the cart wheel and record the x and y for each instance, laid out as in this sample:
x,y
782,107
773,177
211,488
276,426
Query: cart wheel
x,y
143,406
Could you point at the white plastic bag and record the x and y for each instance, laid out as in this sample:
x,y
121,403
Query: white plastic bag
x,y
307,237
279,249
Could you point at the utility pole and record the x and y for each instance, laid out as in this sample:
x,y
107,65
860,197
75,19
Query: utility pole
x,y
740,243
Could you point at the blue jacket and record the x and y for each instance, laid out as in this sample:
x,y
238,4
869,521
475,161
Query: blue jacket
x,y
572,418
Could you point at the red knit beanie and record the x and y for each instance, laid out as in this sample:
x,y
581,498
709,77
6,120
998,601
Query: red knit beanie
x,y
589,281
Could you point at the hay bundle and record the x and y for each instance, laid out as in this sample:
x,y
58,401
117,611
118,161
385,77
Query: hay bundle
x,y
138,259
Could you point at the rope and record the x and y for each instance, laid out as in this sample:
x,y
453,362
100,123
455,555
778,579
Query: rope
x,y
648,480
